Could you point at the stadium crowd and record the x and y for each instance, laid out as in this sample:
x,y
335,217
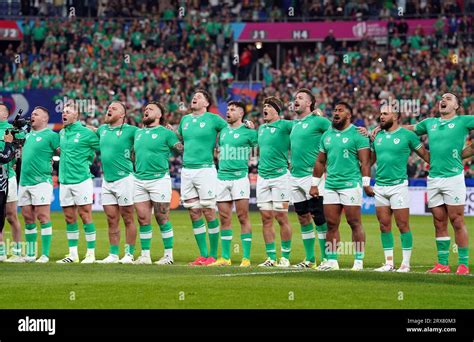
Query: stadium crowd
x,y
140,60
247,10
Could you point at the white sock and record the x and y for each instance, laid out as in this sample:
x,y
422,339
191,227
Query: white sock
x,y
358,262
146,253
73,251
406,257
388,256
169,253
91,251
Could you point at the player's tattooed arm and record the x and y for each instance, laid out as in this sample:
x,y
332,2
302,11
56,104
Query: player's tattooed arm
x,y
364,159
423,153
468,152
318,171
179,147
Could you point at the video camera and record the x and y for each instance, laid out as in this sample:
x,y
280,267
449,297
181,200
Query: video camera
x,y
21,126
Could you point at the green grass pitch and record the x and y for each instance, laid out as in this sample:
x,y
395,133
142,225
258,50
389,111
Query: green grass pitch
x,y
179,286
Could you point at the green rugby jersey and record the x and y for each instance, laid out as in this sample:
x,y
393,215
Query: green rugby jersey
x,y
152,151
305,138
37,153
199,138
116,145
274,143
392,150
78,145
446,141
341,148
235,146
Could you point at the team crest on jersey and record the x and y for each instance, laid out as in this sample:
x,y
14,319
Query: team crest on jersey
x,y
153,136
272,130
38,139
119,133
451,125
305,125
345,140
103,133
396,141
139,136
379,140
434,126
202,124
328,139
236,135
185,126
78,135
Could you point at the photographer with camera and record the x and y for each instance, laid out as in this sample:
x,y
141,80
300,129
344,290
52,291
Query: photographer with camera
x,y
10,208
7,154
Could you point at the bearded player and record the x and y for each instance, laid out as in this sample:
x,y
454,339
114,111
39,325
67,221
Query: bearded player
x,y
233,186
153,146
390,150
345,154
116,145
307,128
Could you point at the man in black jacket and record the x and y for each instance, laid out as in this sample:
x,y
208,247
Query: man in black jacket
x,y
6,155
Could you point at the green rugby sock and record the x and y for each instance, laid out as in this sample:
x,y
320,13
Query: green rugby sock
x,y
46,236
31,235
387,245
442,245
146,234
463,255
167,235
246,244
270,248
199,230
322,230
89,229
213,228
286,249
72,230
309,238
226,241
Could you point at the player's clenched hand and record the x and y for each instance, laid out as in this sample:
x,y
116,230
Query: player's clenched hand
x,y
314,191
369,191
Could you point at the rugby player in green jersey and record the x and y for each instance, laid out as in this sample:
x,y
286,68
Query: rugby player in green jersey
x,y
305,138
11,206
78,145
345,154
273,191
116,146
446,187
153,146
36,184
198,132
390,150
233,186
